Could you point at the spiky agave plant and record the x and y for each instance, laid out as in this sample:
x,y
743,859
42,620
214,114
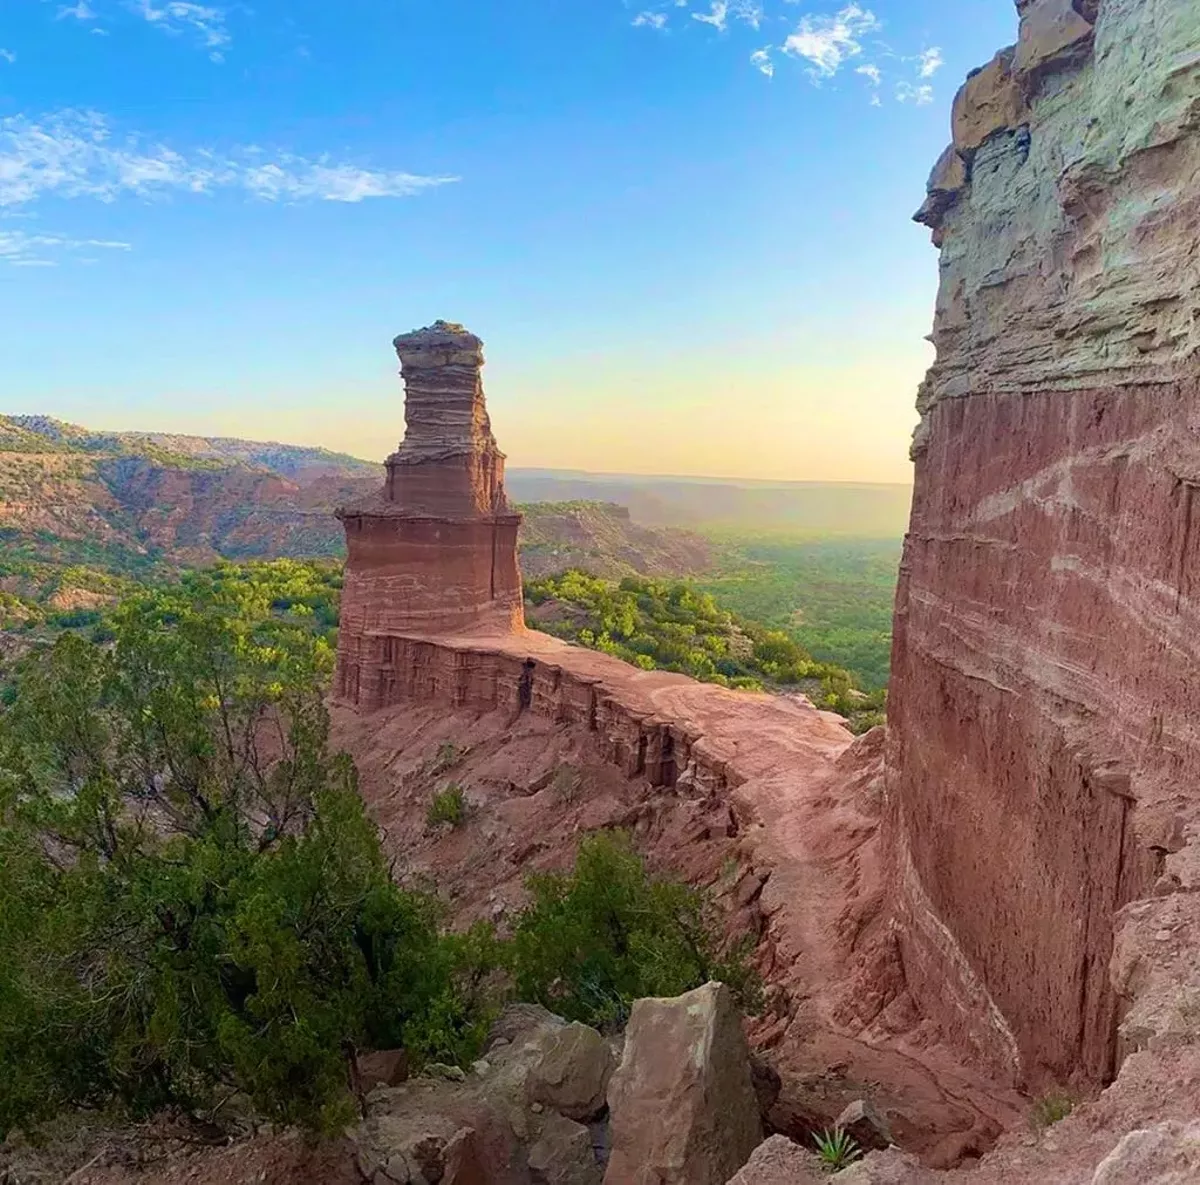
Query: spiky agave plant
x,y
837,1149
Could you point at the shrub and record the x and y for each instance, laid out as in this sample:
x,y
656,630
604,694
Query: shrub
x,y
194,898
447,806
594,940
1049,1109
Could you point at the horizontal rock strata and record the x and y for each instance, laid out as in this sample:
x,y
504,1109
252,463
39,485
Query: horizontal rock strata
x,y
436,549
1044,760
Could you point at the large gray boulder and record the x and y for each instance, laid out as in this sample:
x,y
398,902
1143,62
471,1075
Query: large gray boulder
x,y
682,1104
573,1072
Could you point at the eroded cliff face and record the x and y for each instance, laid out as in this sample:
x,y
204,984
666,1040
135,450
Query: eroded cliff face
x,y
1044,758
436,549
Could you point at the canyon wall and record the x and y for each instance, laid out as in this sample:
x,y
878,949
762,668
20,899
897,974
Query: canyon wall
x,y
1044,750
436,550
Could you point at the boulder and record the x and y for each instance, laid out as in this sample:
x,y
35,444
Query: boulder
x,y
892,1167
519,1022
388,1067
437,1131
682,1103
865,1126
564,1155
1166,1154
573,1073
778,1161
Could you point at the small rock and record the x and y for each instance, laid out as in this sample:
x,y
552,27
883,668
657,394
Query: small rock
x,y
387,1067
536,1108
481,1067
367,1162
446,1073
563,1155
865,1126
398,1169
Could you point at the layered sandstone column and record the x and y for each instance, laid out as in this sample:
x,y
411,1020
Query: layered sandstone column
x,y
1044,731
436,551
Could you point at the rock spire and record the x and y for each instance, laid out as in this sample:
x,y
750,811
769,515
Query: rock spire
x,y
435,552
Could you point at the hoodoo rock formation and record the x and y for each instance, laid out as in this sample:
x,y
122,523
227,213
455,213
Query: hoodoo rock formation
x,y
761,796
1044,752
436,550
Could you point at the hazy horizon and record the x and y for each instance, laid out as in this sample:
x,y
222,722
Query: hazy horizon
x,y
682,227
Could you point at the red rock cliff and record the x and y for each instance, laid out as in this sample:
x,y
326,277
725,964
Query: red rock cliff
x,y
1044,755
436,550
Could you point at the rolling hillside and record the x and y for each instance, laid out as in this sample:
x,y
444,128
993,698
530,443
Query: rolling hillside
x,y
82,511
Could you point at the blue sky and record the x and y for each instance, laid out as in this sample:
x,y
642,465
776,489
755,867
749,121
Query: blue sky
x,y
682,228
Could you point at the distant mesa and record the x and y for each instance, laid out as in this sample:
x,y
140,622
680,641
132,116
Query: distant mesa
x,y
435,551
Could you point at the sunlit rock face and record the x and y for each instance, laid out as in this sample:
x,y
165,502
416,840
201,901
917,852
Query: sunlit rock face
x,y
1044,752
435,552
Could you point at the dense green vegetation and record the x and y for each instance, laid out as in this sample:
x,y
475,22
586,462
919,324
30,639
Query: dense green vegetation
x,y
673,626
834,596
195,903
194,898
607,934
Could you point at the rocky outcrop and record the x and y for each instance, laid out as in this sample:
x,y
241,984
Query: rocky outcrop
x,y
778,1161
572,1075
486,1127
1044,761
436,550
683,1109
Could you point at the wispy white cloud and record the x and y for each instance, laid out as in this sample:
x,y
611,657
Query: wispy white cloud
x,y
721,12
74,154
179,17
717,16
8,56
762,62
828,42
18,249
82,11
919,95
931,62
825,44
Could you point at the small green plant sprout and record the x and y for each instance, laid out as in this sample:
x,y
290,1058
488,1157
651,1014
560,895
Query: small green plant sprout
x,y
447,806
1049,1108
837,1149
448,754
